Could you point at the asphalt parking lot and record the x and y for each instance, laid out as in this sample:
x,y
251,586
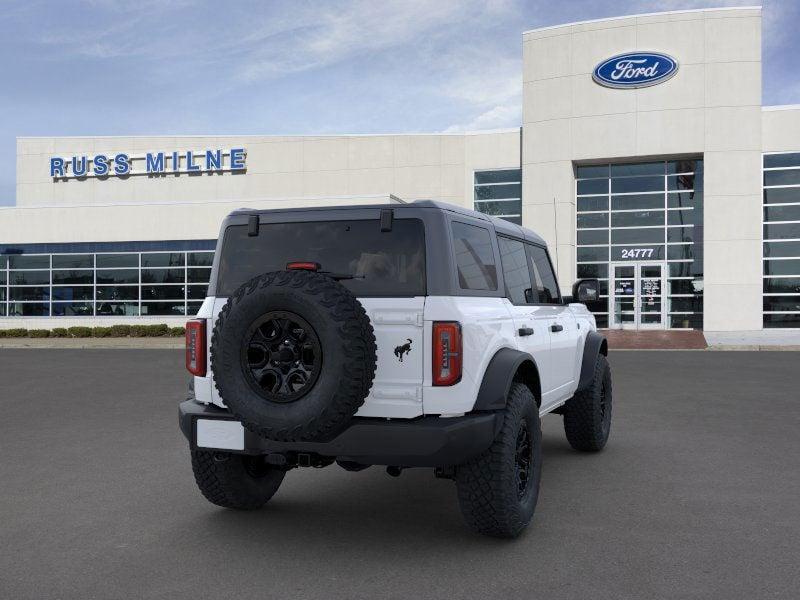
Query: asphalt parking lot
x,y
696,496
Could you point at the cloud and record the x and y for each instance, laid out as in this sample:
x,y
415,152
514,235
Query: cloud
x,y
335,33
497,117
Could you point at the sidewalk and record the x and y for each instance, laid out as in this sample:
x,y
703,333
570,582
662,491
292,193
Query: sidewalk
x,y
617,340
766,339
107,343
769,339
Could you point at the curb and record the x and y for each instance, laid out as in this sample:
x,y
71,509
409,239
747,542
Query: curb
x,y
716,348
755,347
94,343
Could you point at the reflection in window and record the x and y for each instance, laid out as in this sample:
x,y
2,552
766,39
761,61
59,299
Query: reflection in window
x,y
163,275
110,261
28,309
474,257
545,286
499,193
163,259
73,309
163,309
83,292
29,277
637,202
29,293
103,284
65,277
781,299
515,270
29,261
73,261
118,309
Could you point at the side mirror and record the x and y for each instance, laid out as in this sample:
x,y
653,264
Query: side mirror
x,y
586,290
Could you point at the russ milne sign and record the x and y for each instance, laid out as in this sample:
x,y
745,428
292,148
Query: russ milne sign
x,y
151,163
635,70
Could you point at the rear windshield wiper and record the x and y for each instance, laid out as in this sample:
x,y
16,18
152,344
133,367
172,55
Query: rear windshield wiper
x,y
340,276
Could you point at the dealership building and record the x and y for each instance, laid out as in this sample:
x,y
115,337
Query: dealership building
x,y
645,158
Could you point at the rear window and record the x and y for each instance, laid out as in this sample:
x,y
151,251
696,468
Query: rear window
x,y
390,263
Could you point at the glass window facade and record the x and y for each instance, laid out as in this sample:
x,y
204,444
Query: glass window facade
x,y
499,193
644,212
89,284
781,246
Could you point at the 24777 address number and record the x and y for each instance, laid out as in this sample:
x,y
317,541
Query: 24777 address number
x,y
637,252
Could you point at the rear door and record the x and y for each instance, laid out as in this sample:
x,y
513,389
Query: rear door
x,y
530,325
561,325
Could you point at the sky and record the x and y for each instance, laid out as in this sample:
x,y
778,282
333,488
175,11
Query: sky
x,y
161,67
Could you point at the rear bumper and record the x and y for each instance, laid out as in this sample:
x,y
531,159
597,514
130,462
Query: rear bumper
x,y
423,442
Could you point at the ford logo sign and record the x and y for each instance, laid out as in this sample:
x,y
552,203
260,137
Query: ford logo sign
x,y
635,70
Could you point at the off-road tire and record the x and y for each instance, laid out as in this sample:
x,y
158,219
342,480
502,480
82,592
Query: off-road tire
x,y
347,341
487,486
235,480
587,415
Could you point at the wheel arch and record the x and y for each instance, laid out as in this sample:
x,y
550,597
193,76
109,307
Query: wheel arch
x,y
507,366
596,344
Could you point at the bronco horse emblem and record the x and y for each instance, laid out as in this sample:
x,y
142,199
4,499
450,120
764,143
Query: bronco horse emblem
x,y
399,351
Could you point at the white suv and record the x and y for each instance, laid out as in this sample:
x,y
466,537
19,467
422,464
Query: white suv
x,y
408,335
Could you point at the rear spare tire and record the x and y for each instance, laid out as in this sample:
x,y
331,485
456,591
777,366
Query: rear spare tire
x,y
293,355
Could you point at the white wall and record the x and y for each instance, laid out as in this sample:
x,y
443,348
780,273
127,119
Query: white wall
x,y
436,166
281,172
712,107
781,128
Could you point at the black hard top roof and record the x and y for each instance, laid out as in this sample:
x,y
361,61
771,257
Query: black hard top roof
x,y
500,225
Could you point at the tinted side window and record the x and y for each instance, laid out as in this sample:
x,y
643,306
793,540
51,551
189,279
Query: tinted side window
x,y
545,285
474,257
515,270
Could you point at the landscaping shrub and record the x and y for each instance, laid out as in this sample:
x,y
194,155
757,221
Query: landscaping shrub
x,y
80,332
156,330
16,332
98,332
120,330
138,331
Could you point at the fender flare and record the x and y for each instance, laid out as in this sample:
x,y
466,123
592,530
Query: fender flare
x,y
595,345
499,376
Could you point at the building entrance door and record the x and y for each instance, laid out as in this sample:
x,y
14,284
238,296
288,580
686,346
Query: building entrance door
x,y
636,293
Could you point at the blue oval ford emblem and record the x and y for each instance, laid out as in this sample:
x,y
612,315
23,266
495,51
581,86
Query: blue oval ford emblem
x,y
635,70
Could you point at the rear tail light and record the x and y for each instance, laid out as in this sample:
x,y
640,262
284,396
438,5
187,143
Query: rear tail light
x,y
303,266
447,356
196,347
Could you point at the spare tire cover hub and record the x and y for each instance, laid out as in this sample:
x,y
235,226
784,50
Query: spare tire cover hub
x,y
281,356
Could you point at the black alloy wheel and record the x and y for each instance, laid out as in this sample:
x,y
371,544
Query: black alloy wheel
x,y
523,459
281,356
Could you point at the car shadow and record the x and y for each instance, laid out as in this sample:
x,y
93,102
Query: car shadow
x,y
366,507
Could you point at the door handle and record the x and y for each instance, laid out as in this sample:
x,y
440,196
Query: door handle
x,y
523,331
556,327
